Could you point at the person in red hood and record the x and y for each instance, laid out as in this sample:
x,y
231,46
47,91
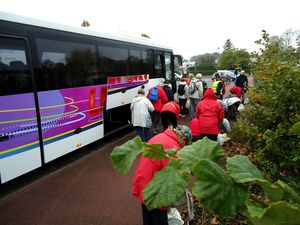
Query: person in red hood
x,y
170,113
237,91
158,104
210,114
194,126
147,168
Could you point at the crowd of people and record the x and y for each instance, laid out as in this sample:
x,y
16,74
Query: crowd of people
x,y
209,113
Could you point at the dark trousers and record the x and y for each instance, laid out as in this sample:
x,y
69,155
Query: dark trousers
x,y
182,103
168,117
213,137
154,217
144,133
155,115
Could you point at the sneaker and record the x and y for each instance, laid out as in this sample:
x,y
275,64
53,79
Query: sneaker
x,y
183,116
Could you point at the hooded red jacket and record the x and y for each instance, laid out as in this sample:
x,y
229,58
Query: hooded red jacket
x,y
210,113
162,98
172,107
148,167
194,126
236,90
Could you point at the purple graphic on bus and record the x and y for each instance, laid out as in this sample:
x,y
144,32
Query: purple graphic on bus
x,y
61,111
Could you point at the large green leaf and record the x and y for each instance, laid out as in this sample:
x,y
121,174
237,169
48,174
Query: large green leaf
x,y
278,213
167,186
296,128
124,155
289,193
253,210
201,149
154,151
273,192
242,170
216,190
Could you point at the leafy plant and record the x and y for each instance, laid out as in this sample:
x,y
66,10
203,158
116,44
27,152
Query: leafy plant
x,y
223,192
265,125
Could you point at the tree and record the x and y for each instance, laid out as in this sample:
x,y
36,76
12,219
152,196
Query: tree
x,y
234,59
228,45
206,59
288,38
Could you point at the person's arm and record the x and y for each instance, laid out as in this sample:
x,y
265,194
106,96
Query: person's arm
x,y
200,89
177,110
170,95
149,105
164,97
219,88
221,114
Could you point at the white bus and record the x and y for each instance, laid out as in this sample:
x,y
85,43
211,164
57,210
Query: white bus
x,y
62,88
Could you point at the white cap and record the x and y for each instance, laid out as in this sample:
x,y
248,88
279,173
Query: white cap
x,y
199,75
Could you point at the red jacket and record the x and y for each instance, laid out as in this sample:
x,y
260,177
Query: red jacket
x,y
172,107
148,167
210,113
236,90
194,126
162,98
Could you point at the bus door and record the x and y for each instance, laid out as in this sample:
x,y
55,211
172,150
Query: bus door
x,y
176,65
19,138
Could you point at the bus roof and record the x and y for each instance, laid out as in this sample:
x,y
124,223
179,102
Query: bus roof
x,y
85,31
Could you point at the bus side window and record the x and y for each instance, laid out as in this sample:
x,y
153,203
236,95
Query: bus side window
x,y
65,64
158,65
168,69
15,78
147,61
113,60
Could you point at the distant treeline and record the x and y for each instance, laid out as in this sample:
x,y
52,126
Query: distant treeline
x,y
204,69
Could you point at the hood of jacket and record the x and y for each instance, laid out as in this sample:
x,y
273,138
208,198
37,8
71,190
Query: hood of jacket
x,y
209,94
139,97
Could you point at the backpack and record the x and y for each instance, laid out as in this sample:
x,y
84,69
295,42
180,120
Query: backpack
x,y
193,87
204,84
153,95
181,90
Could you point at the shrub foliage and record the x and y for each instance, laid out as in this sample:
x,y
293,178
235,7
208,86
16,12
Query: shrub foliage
x,y
273,109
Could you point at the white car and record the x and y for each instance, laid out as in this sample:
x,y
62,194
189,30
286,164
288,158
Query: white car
x,y
226,74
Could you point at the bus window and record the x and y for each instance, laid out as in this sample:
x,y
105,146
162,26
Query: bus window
x,y
15,77
147,61
65,64
177,66
168,67
113,61
135,62
158,66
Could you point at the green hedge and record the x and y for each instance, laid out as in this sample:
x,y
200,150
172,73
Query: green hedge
x,y
205,69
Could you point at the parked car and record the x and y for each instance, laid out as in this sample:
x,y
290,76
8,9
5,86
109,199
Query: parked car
x,y
225,74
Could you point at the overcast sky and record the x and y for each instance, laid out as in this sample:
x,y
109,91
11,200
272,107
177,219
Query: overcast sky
x,y
190,27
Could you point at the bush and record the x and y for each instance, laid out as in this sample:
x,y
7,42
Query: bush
x,y
205,69
273,109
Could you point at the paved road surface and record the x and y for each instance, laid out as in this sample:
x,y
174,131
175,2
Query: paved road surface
x,y
86,192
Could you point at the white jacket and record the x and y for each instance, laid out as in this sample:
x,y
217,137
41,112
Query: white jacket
x,y
140,111
199,89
